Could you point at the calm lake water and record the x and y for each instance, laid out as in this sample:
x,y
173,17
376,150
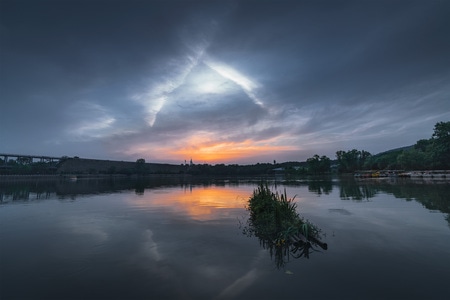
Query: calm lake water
x,y
181,238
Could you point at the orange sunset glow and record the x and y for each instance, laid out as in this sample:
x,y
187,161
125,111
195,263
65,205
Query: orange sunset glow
x,y
203,148
227,151
197,202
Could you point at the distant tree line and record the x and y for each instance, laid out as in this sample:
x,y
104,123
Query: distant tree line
x,y
242,170
433,153
426,154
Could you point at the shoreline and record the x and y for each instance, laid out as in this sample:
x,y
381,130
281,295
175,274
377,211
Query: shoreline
x,y
11,177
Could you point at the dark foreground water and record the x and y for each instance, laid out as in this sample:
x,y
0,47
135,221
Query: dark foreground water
x,y
180,238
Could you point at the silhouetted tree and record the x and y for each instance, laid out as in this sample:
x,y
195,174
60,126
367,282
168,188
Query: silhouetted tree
x,y
441,145
140,166
317,165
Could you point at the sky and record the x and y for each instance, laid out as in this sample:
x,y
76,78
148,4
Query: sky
x,y
221,81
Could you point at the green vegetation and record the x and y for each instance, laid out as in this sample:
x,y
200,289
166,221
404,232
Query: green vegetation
x,y
433,153
426,154
278,226
350,161
318,165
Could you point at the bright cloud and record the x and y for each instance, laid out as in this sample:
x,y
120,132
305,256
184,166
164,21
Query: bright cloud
x,y
90,120
222,81
207,83
245,83
156,96
216,80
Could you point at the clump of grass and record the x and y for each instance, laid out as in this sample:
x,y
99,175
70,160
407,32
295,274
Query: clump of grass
x,y
275,221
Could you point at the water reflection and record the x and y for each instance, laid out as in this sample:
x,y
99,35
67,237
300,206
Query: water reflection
x,y
197,202
199,199
169,238
274,220
433,195
27,190
320,186
281,252
349,190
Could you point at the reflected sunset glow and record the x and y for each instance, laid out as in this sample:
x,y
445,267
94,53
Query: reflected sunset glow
x,y
197,203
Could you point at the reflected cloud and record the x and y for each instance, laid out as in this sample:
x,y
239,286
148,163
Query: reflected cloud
x,y
239,285
245,281
150,247
91,226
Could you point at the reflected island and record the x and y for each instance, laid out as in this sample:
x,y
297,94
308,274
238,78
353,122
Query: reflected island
x,y
275,222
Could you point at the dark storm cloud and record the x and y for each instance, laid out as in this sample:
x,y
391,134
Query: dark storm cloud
x,y
120,78
348,50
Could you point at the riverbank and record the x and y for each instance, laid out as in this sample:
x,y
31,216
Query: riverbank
x,y
424,174
73,177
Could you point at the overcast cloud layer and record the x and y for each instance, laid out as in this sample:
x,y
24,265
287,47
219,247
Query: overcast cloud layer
x,y
221,82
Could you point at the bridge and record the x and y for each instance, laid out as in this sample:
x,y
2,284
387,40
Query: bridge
x,y
25,158
76,165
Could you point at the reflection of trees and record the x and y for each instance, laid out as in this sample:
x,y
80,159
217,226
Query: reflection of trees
x,y
320,186
276,223
64,187
139,187
433,195
316,184
349,190
20,191
24,190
